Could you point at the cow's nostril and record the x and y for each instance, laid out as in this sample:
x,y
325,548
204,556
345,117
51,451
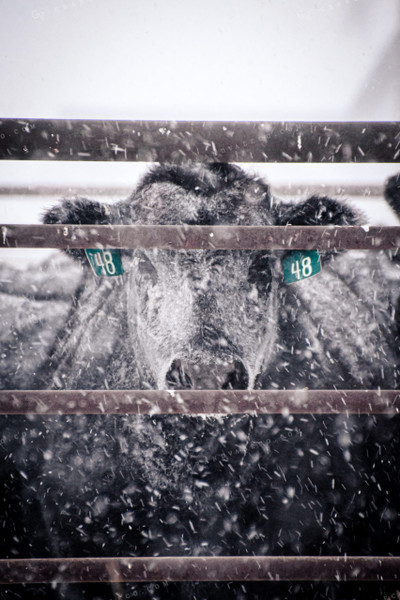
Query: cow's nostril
x,y
237,378
184,375
177,377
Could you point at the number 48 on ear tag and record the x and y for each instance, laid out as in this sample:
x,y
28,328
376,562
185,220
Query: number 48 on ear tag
x,y
105,263
301,264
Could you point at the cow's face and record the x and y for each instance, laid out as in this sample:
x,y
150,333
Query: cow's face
x,y
202,319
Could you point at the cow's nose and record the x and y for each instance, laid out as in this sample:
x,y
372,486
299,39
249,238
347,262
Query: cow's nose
x,y
184,375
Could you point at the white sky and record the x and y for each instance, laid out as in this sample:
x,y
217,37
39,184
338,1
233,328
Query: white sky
x,y
104,175
200,59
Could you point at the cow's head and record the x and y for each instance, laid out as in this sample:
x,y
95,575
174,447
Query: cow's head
x,y
202,319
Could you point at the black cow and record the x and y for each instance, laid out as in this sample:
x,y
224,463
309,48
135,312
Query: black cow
x,y
223,319
168,485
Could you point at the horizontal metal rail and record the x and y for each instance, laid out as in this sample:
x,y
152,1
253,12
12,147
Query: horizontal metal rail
x,y
344,190
180,141
185,237
205,568
197,402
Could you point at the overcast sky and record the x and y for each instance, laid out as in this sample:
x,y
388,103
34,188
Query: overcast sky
x,y
200,59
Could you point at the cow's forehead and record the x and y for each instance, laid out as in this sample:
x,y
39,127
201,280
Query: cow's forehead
x,y
163,204
206,256
201,261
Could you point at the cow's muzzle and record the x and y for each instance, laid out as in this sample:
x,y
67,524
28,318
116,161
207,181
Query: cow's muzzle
x,y
184,375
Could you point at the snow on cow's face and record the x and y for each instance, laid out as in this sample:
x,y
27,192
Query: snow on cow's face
x,y
203,319
190,318
200,318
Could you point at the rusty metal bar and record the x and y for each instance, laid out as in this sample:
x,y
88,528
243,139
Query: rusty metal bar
x,y
180,141
196,402
185,237
207,568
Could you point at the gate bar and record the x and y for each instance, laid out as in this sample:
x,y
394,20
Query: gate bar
x,y
185,237
197,402
207,568
180,141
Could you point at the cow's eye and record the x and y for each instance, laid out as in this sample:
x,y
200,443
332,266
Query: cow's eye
x,y
260,272
216,265
216,269
147,272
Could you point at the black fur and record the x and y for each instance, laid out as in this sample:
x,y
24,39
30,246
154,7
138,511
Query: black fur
x,y
205,180
80,211
392,193
392,196
191,181
317,210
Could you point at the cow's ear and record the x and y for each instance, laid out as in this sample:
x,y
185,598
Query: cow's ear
x,y
392,193
317,210
79,211
392,196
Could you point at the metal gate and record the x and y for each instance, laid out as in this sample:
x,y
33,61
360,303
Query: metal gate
x,y
177,142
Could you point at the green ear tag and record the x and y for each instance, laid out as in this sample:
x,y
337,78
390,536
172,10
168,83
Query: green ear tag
x,y
105,263
301,264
